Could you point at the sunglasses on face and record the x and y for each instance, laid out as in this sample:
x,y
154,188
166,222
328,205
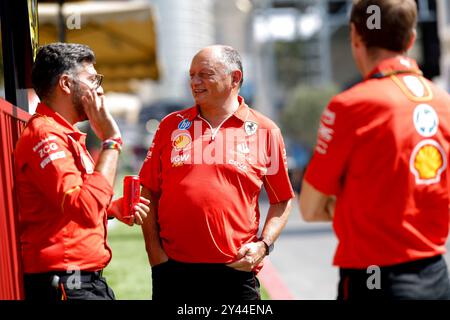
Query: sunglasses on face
x,y
95,79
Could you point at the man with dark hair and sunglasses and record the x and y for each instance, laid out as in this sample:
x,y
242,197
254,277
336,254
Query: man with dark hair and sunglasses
x,y
379,170
65,198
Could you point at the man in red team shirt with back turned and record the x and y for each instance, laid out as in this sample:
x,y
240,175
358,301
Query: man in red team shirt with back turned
x,y
204,172
380,170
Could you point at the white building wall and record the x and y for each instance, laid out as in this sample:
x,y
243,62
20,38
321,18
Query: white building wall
x,y
183,27
444,35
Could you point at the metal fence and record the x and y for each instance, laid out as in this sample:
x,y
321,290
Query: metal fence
x,y
12,122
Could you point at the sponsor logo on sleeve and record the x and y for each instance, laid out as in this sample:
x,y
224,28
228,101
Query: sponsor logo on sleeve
x,y
324,136
426,120
427,162
328,117
148,156
47,148
45,140
52,157
325,132
149,152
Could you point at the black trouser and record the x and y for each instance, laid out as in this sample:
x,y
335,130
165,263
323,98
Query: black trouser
x,y
425,279
55,286
179,281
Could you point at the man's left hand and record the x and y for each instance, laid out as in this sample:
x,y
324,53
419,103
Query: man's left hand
x,y
138,214
249,256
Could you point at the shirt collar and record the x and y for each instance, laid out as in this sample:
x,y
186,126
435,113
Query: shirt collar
x,y
43,109
390,66
241,113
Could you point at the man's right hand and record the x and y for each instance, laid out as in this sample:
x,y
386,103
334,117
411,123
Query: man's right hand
x,y
249,256
150,230
140,211
101,120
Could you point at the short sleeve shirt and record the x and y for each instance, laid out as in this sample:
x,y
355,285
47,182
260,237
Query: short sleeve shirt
x,y
208,181
382,149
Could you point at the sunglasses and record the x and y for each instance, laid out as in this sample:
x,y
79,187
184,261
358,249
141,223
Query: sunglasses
x,y
96,80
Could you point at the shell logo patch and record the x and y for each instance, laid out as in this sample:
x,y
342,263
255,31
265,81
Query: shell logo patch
x,y
182,141
427,162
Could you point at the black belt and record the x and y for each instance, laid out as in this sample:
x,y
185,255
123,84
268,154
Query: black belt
x,y
411,266
63,276
84,276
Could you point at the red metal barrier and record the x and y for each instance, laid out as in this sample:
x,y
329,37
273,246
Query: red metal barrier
x,y
12,122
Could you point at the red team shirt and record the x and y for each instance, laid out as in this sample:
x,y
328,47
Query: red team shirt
x,y
383,149
62,200
208,181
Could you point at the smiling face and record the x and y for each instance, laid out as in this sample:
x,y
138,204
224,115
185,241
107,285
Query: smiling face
x,y
211,81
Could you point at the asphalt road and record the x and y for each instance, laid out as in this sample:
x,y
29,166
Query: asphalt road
x,y
303,257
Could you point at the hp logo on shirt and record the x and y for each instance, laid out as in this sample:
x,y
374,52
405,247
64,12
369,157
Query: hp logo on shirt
x,y
184,124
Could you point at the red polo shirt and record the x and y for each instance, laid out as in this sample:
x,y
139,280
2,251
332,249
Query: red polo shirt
x,y
383,148
208,181
62,200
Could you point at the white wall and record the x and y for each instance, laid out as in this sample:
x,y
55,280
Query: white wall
x,y
183,27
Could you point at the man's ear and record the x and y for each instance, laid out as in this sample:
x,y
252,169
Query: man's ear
x,y
412,39
236,77
355,37
65,84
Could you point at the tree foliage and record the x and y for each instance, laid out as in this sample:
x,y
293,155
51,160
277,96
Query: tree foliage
x,y
301,115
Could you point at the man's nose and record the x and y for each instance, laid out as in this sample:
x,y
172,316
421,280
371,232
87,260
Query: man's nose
x,y
100,91
195,79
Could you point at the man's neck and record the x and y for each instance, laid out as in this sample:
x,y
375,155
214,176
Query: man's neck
x,y
374,60
62,109
216,114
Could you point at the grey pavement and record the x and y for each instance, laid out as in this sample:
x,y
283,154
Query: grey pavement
x,y
303,257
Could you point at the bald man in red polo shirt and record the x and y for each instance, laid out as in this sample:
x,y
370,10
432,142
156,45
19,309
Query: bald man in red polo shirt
x,y
380,171
204,173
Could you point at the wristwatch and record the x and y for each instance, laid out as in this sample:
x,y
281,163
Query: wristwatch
x,y
269,246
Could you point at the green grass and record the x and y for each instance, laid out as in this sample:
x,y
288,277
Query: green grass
x,y
264,294
129,273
